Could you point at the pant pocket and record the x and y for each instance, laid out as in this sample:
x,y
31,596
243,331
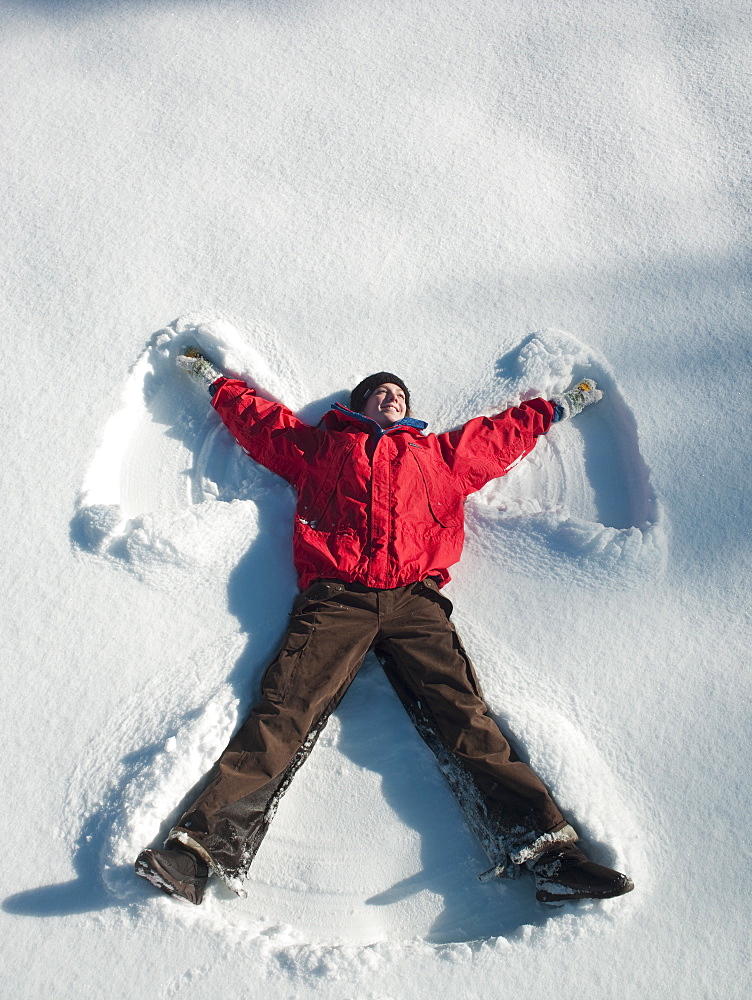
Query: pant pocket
x,y
319,592
472,677
429,589
280,676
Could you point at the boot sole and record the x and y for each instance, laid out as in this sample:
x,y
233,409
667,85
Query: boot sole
x,y
544,896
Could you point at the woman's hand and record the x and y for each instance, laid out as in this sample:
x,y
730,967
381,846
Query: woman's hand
x,y
197,366
572,402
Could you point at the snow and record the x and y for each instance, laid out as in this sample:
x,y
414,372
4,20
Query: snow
x,y
491,200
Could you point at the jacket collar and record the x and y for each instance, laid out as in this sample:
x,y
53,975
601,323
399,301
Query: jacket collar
x,y
339,415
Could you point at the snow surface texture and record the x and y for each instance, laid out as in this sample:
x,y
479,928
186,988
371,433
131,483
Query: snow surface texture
x,y
414,187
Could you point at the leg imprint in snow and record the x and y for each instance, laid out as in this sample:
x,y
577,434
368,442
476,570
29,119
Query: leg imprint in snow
x,y
584,494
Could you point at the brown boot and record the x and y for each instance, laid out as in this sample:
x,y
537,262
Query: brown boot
x,y
178,873
564,873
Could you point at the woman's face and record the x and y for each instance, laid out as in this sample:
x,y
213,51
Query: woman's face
x,y
386,405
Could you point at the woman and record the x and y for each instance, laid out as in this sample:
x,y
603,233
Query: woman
x,y
379,520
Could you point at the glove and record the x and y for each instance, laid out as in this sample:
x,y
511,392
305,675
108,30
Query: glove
x,y
197,366
572,402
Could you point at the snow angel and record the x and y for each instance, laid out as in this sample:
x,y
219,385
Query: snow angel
x,y
378,521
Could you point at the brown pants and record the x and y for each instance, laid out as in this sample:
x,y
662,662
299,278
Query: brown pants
x,y
333,625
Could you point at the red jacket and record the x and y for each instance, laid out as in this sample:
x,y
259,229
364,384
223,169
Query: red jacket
x,y
381,508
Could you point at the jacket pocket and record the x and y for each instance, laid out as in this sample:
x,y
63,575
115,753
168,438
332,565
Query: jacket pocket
x,y
444,503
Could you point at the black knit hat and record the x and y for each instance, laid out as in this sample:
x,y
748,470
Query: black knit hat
x,y
363,389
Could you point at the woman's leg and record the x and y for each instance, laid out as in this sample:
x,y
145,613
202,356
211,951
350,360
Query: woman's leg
x,y
329,635
508,806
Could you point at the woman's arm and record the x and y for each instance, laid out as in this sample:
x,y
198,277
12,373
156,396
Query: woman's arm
x,y
488,447
269,432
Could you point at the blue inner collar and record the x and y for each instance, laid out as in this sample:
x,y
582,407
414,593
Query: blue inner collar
x,y
419,425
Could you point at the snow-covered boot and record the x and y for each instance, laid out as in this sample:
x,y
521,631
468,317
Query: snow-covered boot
x,y
565,873
574,401
178,873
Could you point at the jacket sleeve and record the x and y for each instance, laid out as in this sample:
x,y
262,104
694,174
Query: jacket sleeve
x,y
488,447
269,432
